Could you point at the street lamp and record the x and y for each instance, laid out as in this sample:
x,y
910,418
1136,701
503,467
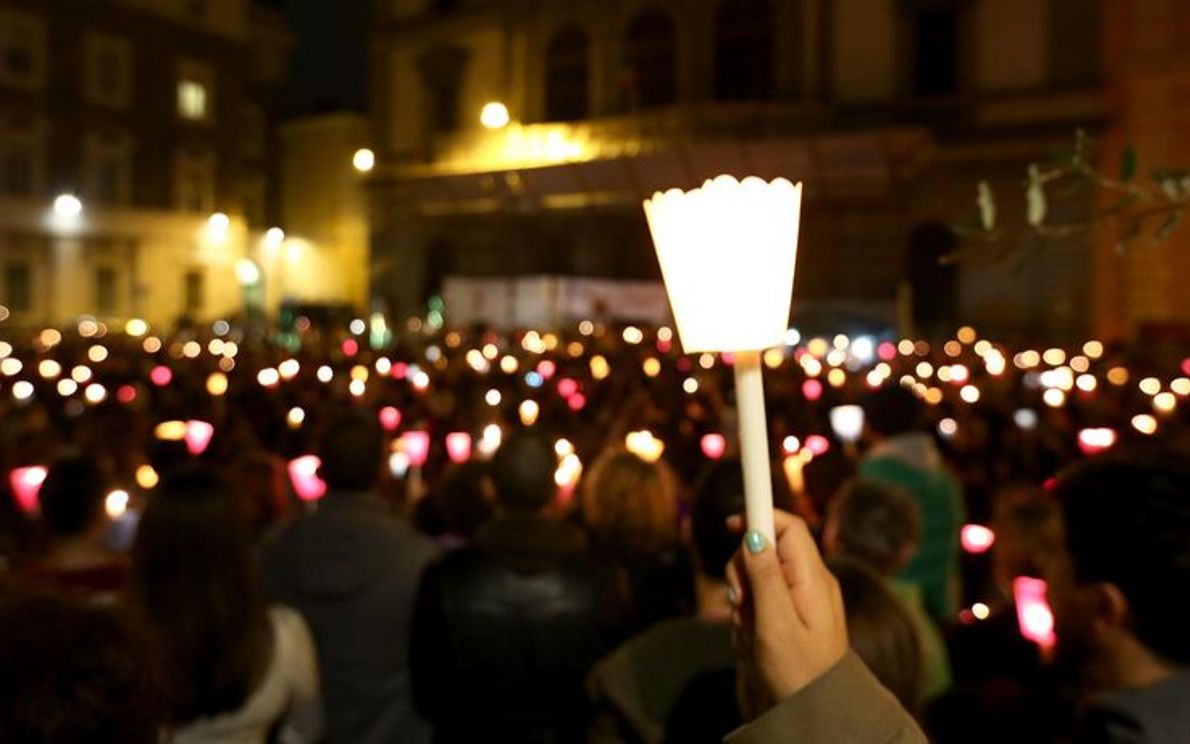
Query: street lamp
x,y
494,115
727,252
363,160
68,206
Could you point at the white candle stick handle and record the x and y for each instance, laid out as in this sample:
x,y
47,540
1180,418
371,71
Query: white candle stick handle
x,y
754,444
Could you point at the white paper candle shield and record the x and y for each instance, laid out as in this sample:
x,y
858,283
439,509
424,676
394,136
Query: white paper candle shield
x,y
727,252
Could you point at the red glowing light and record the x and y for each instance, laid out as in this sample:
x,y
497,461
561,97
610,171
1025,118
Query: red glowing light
x,y
350,347
303,474
576,401
1033,613
416,444
458,446
1094,441
161,375
26,484
728,358
1050,484
818,444
812,390
198,436
887,351
390,418
546,369
664,346
126,394
713,446
400,370
976,538
567,387
1186,366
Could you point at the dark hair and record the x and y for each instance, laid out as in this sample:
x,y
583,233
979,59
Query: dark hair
x,y
195,598
523,472
352,451
72,495
465,497
1127,522
70,674
717,495
892,410
881,630
876,523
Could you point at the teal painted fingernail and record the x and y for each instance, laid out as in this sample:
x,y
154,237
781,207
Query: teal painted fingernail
x,y
754,541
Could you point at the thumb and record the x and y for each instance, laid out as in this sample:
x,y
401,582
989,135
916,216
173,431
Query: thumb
x,y
771,603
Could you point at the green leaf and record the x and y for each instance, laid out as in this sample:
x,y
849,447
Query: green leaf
x,y
1168,226
1128,163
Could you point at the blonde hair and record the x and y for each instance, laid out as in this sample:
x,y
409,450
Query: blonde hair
x,y
630,502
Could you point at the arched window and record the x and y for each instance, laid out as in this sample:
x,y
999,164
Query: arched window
x,y
567,75
650,61
744,51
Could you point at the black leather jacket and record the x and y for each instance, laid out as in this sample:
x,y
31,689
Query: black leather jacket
x,y
504,634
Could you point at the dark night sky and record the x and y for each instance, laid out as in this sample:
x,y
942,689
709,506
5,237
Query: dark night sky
x,y
328,64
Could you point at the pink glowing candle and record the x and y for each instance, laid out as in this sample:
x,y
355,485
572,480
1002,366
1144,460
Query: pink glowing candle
x,y
458,446
812,390
1033,613
976,538
713,446
390,418
26,484
198,436
416,444
546,369
161,375
576,402
818,444
567,387
303,473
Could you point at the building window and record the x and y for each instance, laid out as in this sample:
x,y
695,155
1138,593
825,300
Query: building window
x,y
442,71
21,157
935,51
22,50
108,167
192,292
107,71
196,90
253,137
744,51
651,60
567,76
18,287
105,290
194,181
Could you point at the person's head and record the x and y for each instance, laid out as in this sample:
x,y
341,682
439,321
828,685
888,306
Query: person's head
x,y
523,473
352,452
194,596
70,674
263,501
631,502
891,410
1118,580
881,630
71,497
718,495
873,522
1024,521
466,497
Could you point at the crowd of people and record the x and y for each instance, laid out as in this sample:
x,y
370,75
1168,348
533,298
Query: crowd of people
x,y
224,534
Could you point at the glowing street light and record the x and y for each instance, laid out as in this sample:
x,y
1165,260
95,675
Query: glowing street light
x,y
247,272
68,206
727,252
494,115
274,237
363,160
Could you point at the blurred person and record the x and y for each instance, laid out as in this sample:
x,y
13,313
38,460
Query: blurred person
x,y
903,455
264,504
230,667
352,570
465,499
879,525
71,674
1119,586
506,630
72,510
798,680
642,680
631,508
